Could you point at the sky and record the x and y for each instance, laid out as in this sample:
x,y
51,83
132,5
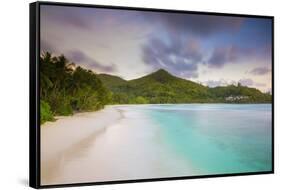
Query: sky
x,y
209,49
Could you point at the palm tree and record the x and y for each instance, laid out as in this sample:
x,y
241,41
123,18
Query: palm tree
x,y
45,82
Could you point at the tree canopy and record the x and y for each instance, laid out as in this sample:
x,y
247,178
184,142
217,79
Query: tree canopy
x,y
66,88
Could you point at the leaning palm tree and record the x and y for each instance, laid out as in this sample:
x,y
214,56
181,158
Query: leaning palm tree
x,y
45,81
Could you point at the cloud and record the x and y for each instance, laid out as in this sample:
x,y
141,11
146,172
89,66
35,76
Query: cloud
x,y
78,57
250,83
246,82
269,90
199,25
221,82
67,16
46,46
176,56
229,54
259,84
260,71
220,57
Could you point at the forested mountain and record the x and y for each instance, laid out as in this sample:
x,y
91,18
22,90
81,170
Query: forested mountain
x,y
111,81
158,87
162,87
66,88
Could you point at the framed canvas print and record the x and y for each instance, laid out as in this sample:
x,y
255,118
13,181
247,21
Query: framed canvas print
x,y
120,94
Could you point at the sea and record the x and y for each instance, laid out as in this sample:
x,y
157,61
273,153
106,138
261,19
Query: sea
x,y
171,140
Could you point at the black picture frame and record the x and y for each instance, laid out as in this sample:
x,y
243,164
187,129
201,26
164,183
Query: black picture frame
x,y
34,98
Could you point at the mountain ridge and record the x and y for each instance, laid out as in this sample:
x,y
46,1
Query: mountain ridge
x,y
163,87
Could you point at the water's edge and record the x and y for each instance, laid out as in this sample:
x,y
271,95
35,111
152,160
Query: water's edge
x,y
152,141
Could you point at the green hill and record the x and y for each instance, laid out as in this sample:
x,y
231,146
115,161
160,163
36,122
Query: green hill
x,y
162,87
239,94
111,81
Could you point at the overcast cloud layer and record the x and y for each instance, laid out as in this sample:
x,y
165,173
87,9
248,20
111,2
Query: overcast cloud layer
x,y
213,50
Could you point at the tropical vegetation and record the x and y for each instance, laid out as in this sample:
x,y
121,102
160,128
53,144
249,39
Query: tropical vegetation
x,y
66,88
161,87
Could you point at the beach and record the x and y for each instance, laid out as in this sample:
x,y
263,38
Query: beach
x,y
129,142
67,133
116,143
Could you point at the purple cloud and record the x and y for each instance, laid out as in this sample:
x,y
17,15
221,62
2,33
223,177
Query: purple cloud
x,y
67,16
177,56
200,25
81,58
228,54
250,83
78,57
214,83
260,84
246,82
260,71
46,46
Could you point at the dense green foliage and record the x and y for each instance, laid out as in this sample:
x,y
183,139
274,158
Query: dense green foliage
x,y
251,95
65,88
45,112
158,87
162,87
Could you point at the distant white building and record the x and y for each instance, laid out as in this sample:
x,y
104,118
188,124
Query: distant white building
x,y
236,98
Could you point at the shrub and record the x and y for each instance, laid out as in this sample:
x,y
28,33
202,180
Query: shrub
x,y
45,112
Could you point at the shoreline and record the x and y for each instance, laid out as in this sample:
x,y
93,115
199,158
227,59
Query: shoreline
x,y
61,136
239,103
117,143
57,117
113,151
56,129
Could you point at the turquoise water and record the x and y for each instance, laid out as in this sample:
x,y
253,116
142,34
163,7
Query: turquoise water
x,y
157,141
217,138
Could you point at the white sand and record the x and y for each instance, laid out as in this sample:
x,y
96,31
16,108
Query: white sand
x,y
117,143
62,135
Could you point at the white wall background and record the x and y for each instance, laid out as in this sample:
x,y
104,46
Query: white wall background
x,y
14,39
